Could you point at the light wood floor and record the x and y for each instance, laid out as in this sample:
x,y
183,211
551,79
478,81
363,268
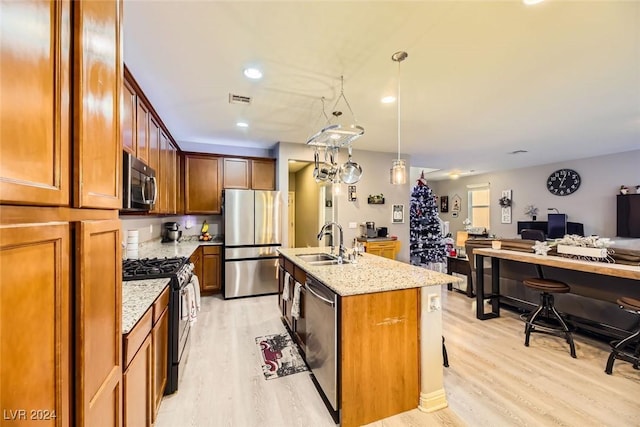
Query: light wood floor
x,y
493,380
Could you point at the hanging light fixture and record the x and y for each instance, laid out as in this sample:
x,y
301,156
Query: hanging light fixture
x,y
398,168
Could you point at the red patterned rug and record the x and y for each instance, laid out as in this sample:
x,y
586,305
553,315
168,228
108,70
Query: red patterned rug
x,y
280,356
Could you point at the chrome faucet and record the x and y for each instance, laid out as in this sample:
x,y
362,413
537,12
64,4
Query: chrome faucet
x,y
341,248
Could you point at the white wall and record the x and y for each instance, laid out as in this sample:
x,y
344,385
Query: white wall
x,y
594,204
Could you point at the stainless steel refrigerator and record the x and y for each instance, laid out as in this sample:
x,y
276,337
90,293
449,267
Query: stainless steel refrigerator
x,y
252,233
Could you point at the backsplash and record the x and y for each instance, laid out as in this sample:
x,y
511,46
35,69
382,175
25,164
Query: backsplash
x,y
150,228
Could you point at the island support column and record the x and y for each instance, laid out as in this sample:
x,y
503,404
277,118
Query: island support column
x,y
432,395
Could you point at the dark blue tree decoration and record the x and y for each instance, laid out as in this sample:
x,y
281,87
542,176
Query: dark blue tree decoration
x,y
425,235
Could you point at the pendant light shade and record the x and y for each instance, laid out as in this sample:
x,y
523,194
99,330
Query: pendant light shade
x,y
399,169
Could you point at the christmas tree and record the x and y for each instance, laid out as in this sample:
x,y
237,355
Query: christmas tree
x,y
425,236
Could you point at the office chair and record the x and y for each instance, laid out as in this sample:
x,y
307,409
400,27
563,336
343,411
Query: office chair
x,y
531,234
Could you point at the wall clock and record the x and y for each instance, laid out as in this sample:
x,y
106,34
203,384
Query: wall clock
x,y
563,182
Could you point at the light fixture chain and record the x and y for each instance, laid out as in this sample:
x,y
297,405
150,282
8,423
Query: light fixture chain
x,y
399,110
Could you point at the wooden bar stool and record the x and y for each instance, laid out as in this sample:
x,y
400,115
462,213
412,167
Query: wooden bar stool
x,y
534,322
618,351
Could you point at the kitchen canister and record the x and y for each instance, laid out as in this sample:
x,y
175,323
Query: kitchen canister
x,y
132,244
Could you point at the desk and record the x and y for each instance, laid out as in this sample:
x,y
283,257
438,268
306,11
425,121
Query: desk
x,y
603,268
460,266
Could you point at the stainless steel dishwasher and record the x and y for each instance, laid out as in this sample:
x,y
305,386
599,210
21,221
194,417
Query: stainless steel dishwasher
x,y
321,305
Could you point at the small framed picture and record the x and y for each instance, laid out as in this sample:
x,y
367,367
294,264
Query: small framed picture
x,y
444,204
397,214
456,204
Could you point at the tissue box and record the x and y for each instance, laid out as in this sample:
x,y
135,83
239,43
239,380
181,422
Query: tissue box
x,y
582,251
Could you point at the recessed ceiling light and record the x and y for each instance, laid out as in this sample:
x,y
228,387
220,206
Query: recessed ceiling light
x,y
530,2
253,73
242,125
388,99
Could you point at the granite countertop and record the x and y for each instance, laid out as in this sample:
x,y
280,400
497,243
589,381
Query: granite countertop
x,y
137,297
369,275
183,248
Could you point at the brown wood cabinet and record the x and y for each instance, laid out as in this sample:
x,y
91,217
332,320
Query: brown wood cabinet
x,y
388,249
263,174
249,174
154,157
98,320
196,259
210,280
236,173
34,317
386,381
142,126
60,265
202,178
297,326
137,387
128,118
97,79
160,340
35,103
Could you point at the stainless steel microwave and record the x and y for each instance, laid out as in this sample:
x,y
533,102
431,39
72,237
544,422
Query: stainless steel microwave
x,y
140,189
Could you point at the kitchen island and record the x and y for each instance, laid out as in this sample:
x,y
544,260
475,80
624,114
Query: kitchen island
x,y
388,339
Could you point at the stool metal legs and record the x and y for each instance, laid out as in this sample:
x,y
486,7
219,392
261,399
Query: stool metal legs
x,y
617,352
546,305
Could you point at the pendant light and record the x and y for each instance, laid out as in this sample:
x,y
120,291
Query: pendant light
x,y
398,168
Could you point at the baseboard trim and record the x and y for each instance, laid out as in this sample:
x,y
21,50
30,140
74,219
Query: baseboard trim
x,y
434,401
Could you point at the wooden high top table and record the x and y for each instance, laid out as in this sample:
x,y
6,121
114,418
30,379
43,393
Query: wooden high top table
x,y
603,268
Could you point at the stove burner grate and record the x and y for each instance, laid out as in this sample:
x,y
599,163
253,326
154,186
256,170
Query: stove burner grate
x,y
151,268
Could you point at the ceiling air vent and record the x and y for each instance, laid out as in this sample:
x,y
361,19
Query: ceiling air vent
x,y
239,99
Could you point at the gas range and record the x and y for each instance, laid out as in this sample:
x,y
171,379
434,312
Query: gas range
x,y
156,268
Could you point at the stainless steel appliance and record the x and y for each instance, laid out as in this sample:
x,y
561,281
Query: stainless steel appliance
x,y
382,231
180,271
321,312
170,232
139,186
252,233
371,229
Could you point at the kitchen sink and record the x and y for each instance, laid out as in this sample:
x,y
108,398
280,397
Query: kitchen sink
x,y
324,262
318,257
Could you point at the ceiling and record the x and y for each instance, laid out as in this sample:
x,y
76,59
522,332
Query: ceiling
x,y
560,79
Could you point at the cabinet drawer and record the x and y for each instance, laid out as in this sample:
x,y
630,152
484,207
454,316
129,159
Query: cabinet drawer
x,y
160,304
134,339
300,275
211,250
288,266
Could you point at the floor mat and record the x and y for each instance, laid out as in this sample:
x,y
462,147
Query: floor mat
x,y
280,356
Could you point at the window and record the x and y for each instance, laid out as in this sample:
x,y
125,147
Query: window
x,y
479,206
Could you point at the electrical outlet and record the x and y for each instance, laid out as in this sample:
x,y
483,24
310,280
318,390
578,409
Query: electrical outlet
x,y
353,225
433,302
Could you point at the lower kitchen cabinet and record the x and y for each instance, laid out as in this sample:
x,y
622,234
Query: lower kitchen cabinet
x,y
160,343
388,248
34,321
137,385
297,326
210,282
146,364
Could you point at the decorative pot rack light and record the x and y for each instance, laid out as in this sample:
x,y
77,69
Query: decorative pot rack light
x,y
331,138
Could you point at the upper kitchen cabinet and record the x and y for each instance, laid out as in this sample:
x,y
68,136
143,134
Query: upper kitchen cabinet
x,y
96,91
128,118
154,157
142,126
202,178
35,103
263,174
245,174
236,173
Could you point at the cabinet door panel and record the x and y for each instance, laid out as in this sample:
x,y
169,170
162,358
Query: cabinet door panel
x,y
202,191
142,126
34,105
154,157
160,349
236,174
34,319
98,323
97,79
211,273
137,387
163,190
263,174
128,118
